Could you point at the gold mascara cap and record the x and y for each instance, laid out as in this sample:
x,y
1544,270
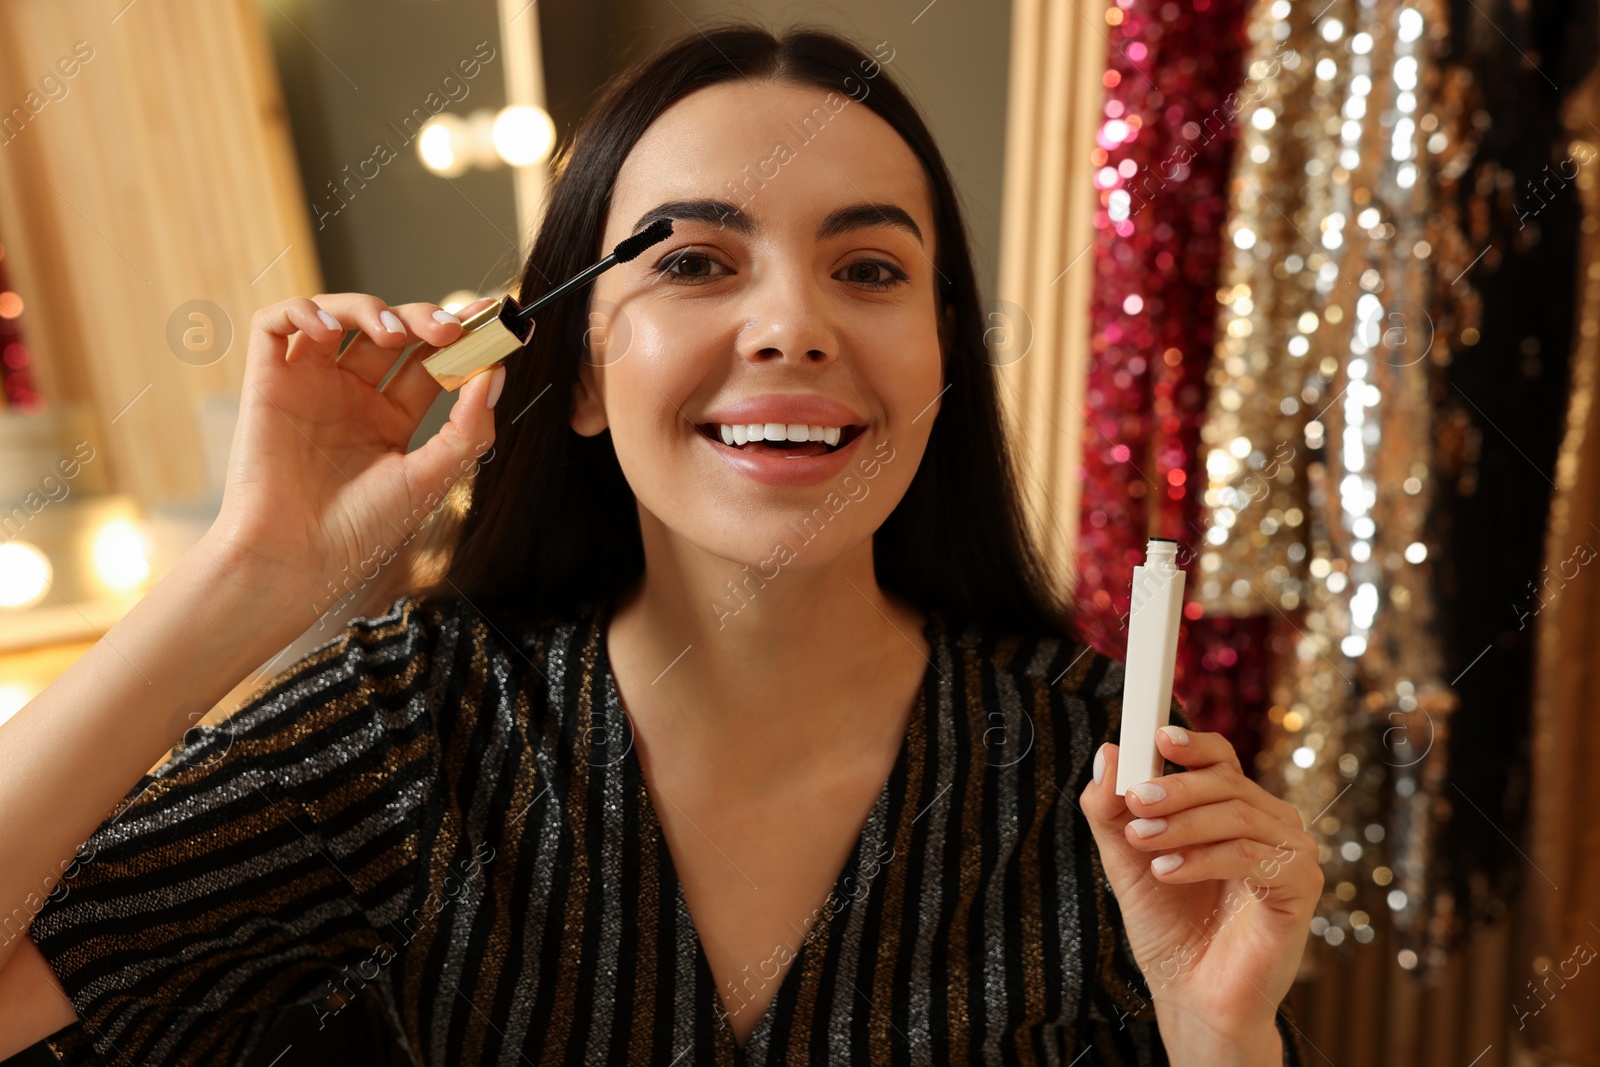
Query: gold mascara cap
x,y
487,337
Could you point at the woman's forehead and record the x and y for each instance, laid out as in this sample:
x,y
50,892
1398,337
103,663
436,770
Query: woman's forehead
x,y
781,153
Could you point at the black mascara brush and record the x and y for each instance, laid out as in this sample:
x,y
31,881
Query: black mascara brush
x,y
503,327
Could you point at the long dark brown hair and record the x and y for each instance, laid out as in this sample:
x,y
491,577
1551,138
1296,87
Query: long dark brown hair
x,y
552,524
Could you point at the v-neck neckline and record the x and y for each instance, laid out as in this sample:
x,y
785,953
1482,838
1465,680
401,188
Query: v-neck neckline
x,y
913,740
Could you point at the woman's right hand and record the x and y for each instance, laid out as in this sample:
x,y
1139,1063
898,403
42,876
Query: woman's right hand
x,y
319,479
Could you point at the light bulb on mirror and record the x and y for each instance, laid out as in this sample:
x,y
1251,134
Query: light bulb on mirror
x,y
120,559
442,146
25,573
524,135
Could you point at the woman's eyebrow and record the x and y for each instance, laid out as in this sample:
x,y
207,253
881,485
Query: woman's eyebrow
x,y
725,213
860,216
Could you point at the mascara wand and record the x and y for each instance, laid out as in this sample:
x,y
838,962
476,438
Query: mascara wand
x,y
492,334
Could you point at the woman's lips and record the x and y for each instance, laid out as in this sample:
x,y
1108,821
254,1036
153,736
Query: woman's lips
x,y
797,464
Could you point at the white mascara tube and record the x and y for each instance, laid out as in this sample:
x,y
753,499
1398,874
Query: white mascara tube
x,y
1152,653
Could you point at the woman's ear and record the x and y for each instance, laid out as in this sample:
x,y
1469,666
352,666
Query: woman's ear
x,y
588,410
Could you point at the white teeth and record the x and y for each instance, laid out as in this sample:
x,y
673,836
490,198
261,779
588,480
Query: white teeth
x,y
736,434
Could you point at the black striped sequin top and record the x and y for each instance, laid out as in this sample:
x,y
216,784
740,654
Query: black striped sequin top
x,y
448,817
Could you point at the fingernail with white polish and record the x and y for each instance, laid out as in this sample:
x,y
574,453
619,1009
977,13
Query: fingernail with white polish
x,y
444,316
1148,827
1149,792
1176,734
1166,864
391,321
328,320
1100,765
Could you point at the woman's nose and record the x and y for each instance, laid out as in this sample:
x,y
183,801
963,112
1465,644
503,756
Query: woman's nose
x,y
787,320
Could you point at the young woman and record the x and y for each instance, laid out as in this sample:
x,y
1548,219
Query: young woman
x,y
741,728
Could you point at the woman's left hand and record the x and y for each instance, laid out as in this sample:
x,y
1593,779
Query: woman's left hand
x,y
1219,936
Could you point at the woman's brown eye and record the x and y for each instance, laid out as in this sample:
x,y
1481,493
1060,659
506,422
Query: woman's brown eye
x,y
672,264
890,277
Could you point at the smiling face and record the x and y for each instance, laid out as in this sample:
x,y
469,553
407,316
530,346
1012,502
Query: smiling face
x,y
796,299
